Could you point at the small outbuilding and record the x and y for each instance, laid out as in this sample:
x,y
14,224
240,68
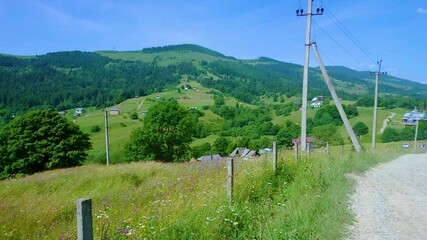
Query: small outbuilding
x,y
210,158
245,153
114,111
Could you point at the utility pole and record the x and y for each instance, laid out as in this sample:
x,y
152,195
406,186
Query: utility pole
x,y
309,14
374,124
107,150
337,101
416,135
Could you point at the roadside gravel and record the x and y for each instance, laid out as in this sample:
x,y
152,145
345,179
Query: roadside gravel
x,y
390,200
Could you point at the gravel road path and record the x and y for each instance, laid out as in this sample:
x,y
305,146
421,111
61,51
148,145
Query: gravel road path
x,y
386,121
390,201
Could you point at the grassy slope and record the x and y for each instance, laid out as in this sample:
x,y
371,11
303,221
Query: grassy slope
x,y
164,58
121,126
307,200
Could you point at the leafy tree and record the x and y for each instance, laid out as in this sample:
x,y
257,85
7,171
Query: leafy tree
x,y
407,134
328,133
134,116
218,100
200,150
286,134
166,133
244,142
220,145
41,140
360,128
95,128
351,110
390,135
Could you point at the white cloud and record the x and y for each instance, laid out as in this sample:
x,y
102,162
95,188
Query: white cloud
x,y
422,10
66,19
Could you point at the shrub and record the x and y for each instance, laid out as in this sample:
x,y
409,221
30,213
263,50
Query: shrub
x,y
95,128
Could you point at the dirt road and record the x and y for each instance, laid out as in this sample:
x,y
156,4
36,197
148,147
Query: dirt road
x,y
385,122
390,201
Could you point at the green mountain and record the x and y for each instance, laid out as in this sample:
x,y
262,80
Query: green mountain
x,y
64,80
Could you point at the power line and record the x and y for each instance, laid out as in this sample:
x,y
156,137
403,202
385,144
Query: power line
x,y
347,32
336,42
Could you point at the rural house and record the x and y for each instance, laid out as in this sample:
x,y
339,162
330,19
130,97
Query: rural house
x,y
411,118
317,102
213,157
114,111
79,111
310,141
244,153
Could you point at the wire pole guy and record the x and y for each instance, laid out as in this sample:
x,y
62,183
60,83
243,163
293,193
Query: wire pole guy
x,y
374,124
309,14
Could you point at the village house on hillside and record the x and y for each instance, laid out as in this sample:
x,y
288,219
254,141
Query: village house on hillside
x,y
209,158
244,153
114,111
79,111
317,102
310,142
411,118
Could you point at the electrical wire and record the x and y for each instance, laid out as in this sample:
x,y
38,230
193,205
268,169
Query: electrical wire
x,y
336,42
346,32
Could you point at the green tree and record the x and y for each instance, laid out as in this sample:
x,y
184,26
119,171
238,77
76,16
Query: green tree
x,y
220,146
390,135
360,128
286,134
218,100
328,133
200,150
166,133
134,116
41,140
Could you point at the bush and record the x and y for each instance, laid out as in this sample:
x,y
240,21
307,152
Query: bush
x,y
95,128
134,116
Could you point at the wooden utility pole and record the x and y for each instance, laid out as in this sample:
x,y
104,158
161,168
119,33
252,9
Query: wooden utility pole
x,y
275,156
230,180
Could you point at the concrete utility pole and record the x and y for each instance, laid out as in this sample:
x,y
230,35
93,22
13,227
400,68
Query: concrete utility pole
x,y
337,101
309,14
374,124
107,150
416,135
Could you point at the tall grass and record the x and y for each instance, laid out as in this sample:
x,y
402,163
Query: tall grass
x,y
307,199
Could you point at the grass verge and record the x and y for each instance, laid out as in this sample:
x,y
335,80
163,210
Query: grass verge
x,y
307,199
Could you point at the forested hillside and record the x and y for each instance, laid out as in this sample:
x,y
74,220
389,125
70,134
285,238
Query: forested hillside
x,y
69,79
64,80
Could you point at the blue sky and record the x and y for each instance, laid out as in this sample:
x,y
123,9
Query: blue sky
x,y
394,31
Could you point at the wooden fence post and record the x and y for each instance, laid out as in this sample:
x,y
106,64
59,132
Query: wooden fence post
x,y
84,219
327,149
230,183
274,156
296,152
308,151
